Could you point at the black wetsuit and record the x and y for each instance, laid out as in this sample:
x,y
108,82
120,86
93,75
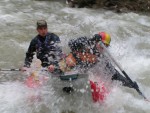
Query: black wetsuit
x,y
46,49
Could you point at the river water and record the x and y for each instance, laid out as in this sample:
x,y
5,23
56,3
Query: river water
x,y
130,46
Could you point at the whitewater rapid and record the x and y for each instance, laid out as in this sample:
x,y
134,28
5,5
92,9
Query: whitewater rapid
x,y
130,46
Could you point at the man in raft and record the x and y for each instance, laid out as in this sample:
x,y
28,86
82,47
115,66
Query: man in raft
x,y
46,47
86,52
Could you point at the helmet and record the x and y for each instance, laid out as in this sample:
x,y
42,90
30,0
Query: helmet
x,y
105,37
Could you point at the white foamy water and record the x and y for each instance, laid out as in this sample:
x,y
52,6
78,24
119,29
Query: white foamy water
x,y
130,46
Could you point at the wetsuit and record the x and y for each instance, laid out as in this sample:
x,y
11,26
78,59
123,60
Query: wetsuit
x,y
46,49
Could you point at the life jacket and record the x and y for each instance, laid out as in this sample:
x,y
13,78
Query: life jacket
x,y
47,48
86,57
70,61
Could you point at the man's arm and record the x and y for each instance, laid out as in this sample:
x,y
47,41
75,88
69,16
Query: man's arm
x,y
118,76
30,53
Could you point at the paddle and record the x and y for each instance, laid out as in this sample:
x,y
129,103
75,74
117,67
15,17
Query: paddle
x,y
10,69
133,84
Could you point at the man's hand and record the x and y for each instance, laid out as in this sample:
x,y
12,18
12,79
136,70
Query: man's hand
x,y
51,68
24,69
70,60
